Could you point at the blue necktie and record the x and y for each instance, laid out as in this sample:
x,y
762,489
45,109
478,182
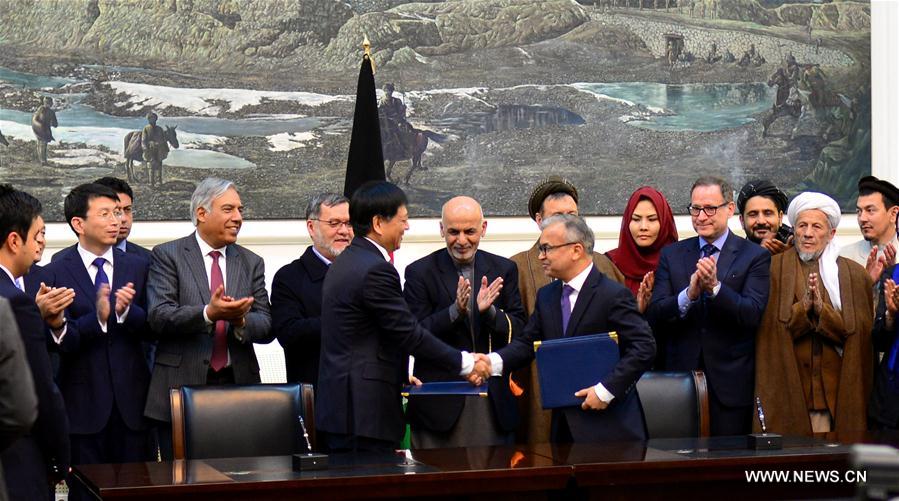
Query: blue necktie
x,y
101,277
709,250
566,307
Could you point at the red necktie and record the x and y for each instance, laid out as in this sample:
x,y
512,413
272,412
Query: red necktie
x,y
220,342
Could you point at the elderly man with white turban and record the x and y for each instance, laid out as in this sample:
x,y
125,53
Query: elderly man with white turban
x,y
813,351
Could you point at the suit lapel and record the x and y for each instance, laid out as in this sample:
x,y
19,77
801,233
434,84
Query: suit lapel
x,y
449,276
727,257
314,266
690,256
76,269
555,310
584,297
119,270
197,266
235,274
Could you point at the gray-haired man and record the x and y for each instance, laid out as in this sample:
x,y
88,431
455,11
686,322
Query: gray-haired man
x,y
207,303
297,287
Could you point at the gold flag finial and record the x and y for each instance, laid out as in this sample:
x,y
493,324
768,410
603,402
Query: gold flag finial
x,y
366,45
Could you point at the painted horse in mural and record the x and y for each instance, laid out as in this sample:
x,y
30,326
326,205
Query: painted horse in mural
x,y
401,145
134,151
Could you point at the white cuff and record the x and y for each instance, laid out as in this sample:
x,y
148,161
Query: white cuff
x,y
121,318
206,317
467,363
603,393
102,324
496,364
715,290
58,338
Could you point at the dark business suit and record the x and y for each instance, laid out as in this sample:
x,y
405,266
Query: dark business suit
x,y
717,334
883,408
367,331
177,293
296,312
602,306
430,291
137,250
103,376
28,461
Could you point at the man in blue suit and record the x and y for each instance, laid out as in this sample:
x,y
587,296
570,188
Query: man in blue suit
x,y
367,331
469,299
40,459
583,301
103,374
297,287
709,297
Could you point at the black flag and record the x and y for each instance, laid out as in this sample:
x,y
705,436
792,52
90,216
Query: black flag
x,y
366,159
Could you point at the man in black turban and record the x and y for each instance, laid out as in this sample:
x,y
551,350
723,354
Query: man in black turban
x,y
761,206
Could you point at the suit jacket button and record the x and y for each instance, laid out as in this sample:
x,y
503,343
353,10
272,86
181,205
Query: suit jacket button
x,y
205,362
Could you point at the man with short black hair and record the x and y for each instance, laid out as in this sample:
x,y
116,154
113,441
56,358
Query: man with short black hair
x,y
876,210
367,331
40,459
297,287
103,374
761,206
708,300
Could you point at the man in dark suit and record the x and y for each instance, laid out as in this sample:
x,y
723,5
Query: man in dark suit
x,y
102,373
41,458
367,331
297,287
709,297
207,304
126,197
469,299
583,301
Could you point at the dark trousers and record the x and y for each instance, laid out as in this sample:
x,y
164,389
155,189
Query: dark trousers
x,y
339,442
115,443
725,420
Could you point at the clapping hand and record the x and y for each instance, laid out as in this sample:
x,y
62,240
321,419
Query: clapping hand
x,y
775,246
488,294
644,294
222,307
812,301
52,302
463,295
875,265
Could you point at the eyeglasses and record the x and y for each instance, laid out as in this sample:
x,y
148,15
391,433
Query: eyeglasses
x,y
545,248
710,210
109,215
333,223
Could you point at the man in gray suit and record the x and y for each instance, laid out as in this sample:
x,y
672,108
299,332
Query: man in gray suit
x,y
207,304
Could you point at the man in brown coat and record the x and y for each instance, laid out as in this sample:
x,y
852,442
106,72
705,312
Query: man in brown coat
x,y
551,197
813,352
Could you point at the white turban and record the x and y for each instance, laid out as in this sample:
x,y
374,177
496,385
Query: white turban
x,y
829,272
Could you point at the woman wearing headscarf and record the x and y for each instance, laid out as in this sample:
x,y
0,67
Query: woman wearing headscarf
x,y
647,226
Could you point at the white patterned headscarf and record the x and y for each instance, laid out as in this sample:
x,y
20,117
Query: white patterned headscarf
x,y
829,272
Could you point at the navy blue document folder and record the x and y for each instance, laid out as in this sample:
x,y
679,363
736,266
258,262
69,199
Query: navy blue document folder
x,y
567,365
446,388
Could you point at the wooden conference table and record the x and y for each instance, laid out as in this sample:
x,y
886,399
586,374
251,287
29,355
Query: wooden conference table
x,y
669,468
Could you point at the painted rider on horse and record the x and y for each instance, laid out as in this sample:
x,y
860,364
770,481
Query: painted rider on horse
x,y
395,130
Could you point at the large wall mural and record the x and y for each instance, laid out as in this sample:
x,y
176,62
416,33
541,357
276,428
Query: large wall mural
x,y
477,97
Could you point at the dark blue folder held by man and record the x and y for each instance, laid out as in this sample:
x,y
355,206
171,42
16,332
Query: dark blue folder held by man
x,y
446,388
569,364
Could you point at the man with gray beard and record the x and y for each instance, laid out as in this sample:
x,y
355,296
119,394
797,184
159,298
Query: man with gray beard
x,y
814,342
297,287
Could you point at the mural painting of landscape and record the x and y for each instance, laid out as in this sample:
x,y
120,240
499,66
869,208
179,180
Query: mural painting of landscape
x,y
489,96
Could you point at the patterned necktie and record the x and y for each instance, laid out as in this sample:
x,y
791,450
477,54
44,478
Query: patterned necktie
x,y
101,277
220,341
566,307
709,250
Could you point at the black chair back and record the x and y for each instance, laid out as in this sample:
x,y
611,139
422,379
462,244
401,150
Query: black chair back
x,y
675,404
241,420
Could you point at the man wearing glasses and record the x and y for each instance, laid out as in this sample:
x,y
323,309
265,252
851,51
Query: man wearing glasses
x,y
297,287
103,375
708,301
